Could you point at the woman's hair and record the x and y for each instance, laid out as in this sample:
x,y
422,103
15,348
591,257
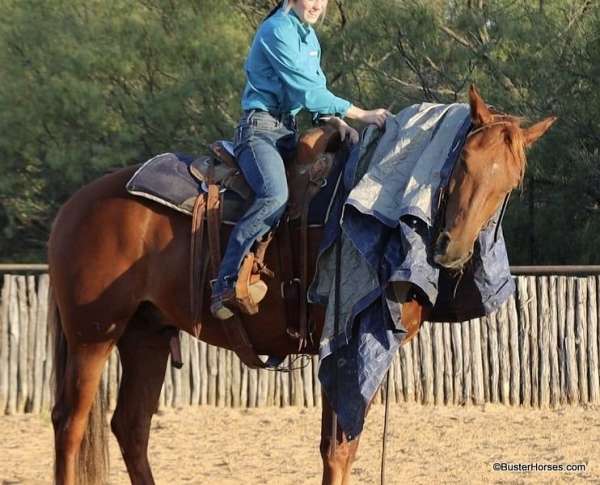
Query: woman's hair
x,y
275,9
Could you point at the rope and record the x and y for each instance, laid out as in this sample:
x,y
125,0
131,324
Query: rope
x,y
336,327
385,426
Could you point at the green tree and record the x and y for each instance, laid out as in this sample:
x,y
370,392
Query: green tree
x,y
87,85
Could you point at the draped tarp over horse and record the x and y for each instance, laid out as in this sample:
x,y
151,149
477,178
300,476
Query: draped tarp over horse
x,y
384,220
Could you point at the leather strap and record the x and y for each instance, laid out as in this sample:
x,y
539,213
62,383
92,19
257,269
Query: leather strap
x,y
199,264
175,349
214,228
290,286
259,267
234,329
305,334
223,156
303,323
242,290
293,290
240,343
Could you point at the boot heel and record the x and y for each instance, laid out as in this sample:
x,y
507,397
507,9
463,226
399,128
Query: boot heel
x,y
220,311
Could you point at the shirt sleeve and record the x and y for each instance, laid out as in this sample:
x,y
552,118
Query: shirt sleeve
x,y
304,87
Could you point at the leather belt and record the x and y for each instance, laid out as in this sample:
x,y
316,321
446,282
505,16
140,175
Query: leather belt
x,y
285,118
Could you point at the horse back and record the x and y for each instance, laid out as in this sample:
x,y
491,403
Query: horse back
x,y
110,251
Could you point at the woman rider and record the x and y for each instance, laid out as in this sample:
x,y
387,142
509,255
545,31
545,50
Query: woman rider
x,y
283,76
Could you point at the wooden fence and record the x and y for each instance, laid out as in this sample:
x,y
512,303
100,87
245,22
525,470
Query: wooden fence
x,y
540,349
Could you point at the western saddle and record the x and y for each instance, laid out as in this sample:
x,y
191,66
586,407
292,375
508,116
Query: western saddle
x,y
306,175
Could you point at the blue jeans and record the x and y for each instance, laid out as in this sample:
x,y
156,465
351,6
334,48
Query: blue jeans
x,y
261,144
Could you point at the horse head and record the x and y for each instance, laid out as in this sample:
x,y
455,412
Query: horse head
x,y
491,165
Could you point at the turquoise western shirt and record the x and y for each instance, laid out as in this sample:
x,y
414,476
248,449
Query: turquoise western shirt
x,y
283,70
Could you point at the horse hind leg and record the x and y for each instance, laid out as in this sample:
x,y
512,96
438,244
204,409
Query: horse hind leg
x,y
78,414
143,349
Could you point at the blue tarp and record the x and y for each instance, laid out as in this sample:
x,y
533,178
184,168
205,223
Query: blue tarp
x,y
354,362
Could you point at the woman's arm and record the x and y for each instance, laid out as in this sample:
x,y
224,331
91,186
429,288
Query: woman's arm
x,y
375,116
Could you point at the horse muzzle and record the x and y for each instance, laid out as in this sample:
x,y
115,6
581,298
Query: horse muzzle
x,y
448,254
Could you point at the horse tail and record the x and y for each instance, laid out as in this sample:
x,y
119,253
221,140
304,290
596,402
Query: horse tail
x,y
92,462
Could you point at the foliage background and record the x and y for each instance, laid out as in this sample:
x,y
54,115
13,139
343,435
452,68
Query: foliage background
x,y
89,85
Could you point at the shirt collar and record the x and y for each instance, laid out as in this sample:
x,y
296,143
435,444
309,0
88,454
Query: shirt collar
x,y
303,29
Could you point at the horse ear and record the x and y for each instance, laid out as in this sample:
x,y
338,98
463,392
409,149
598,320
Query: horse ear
x,y
480,114
534,132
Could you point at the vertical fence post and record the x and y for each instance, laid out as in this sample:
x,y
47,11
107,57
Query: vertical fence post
x,y
4,343
553,344
544,339
581,337
515,362
476,361
592,348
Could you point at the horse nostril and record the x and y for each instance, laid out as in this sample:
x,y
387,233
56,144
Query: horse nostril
x,y
442,243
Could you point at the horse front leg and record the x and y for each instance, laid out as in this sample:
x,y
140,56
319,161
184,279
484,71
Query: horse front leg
x,y
337,461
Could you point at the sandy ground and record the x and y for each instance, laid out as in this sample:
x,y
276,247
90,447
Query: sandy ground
x,y
280,446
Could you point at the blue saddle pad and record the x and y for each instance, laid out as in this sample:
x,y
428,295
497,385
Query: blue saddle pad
x,y
166,179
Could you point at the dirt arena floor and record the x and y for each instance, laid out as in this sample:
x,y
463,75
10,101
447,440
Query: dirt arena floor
x,y
427,445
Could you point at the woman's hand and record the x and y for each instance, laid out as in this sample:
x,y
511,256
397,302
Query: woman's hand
x,y
374,116
345,130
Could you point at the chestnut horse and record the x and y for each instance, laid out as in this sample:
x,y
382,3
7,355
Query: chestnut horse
x,y
119,268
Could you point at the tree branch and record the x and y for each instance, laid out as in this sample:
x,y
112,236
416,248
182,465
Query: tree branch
x,y
504,80
416,87
341,9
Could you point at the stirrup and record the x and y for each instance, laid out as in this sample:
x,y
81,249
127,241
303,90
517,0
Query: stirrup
x,y
257,290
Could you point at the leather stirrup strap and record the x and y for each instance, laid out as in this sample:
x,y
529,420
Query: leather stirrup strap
x,y
240,343
198,264
290,291
214,228
233,327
